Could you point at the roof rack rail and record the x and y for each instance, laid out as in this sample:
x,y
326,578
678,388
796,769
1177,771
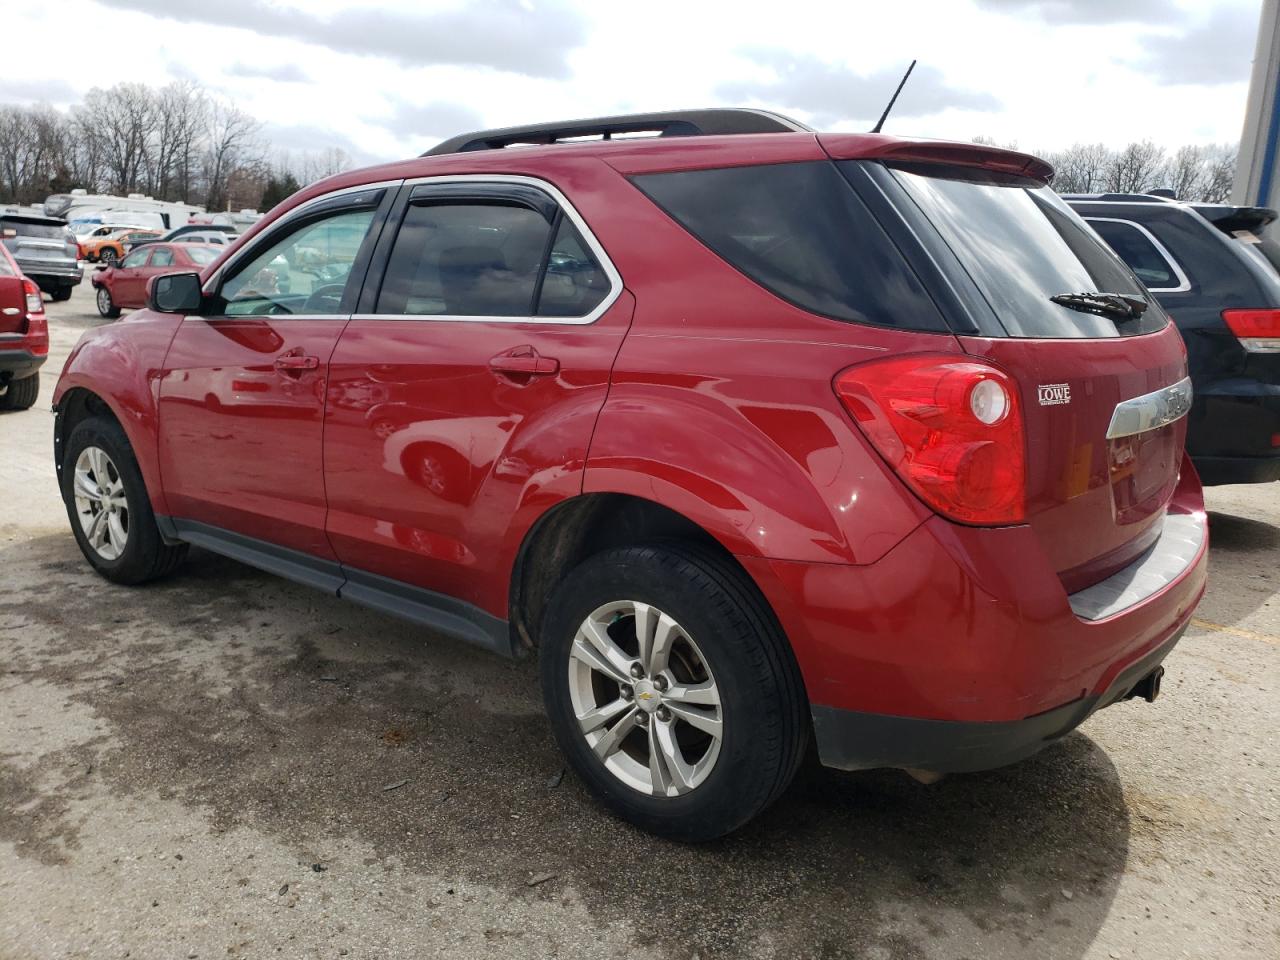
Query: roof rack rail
x,y
671,123
1126,197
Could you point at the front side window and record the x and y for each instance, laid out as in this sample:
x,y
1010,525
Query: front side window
x,y
137,258
465,259
1138,249
305,271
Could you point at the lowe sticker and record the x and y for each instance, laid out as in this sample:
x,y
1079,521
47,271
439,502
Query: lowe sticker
x,y
1053,393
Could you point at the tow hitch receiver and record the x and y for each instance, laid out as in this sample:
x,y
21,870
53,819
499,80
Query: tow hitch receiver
x,y
1148,688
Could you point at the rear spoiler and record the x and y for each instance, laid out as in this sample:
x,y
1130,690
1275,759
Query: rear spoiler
x,y
1231,219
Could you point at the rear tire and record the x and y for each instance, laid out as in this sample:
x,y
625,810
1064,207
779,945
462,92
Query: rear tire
x,y
108,506
727,667
21,394
61,294
106,306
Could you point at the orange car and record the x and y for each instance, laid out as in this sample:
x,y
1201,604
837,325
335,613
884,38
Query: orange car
x,y
110,246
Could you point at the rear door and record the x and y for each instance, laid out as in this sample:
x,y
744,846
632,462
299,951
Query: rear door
x,y
243,395
463,394
1103,391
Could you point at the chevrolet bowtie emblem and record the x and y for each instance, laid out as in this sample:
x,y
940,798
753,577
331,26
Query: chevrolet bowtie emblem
x,y
646,696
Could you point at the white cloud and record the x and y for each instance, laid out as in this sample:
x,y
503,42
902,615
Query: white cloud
x,y
389,78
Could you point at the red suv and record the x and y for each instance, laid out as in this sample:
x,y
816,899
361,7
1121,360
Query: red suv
x,y
752,433
24,336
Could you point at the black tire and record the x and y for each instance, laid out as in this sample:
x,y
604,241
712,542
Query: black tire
x,y
145,555
106,306
61,294
763,704
21,394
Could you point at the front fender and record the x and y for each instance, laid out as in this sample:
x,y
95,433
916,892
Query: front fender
x,y
121,364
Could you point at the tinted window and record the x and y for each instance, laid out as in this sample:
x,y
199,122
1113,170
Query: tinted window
x,y
466,259
45,231
1138,249
162,257
1021,244
799,230
304,272
202,256
137,258
574,283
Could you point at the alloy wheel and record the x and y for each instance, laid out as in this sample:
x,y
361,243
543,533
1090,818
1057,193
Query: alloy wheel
x,y
645,699
104,301
100,501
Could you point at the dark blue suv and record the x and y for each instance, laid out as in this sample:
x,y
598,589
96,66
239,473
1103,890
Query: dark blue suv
x,y
1213,267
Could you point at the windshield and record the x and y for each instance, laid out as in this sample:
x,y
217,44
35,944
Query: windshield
x,y
1022,245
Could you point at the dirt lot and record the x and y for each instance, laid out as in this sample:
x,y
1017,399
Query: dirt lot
x,y
202,768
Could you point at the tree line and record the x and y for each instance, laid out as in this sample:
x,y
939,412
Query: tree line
x,y
1198,173
176,142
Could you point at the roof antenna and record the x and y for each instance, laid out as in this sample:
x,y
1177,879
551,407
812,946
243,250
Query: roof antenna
x,y
894,99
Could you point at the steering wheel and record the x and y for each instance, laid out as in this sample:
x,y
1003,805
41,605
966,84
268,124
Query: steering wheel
x,y
325,299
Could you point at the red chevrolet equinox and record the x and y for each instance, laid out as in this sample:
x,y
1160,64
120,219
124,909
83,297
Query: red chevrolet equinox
x,y
752,434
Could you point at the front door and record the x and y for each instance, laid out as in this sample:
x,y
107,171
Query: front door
x,y
242,399
127,279
463,396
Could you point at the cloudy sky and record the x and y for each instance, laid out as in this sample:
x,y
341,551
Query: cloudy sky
x,y
389,78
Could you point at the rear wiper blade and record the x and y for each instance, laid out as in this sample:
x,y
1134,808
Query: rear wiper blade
x,y
1121,305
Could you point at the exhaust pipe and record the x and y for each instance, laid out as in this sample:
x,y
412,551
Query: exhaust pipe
x,y
1148,688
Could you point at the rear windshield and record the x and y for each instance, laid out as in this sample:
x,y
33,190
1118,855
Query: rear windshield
x,y
799,230
1021,244
44,231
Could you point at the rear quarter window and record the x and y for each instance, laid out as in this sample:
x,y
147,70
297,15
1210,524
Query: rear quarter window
x,y
800,231
1144,254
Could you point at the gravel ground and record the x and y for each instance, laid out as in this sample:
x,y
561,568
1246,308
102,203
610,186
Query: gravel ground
x,y
208,767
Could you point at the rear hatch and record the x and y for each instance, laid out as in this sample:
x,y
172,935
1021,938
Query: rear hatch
x,y
1096,491
34,241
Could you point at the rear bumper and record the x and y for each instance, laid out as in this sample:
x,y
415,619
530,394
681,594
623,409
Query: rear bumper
x,y
1232,432
52,276
960,649
18,364
849,740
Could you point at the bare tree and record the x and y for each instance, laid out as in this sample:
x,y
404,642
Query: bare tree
x,y
1081,168
233,144
182,117
124,119
1220,173
1135,169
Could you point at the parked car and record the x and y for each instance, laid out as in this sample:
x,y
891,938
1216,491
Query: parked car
x,y
45,250
753,434
110,245
1208,266
203,232
24,336
124,286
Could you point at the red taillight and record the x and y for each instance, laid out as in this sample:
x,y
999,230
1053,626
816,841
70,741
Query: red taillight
x,y
951,428
35,302
1257,330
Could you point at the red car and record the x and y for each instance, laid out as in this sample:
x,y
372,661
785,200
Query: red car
x,y
24,336
753,434
124,285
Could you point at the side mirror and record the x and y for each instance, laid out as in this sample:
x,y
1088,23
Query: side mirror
x,y
175,293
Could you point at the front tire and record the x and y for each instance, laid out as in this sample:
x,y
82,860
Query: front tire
x,y
21,394
672,690
109,257
106,306
108,506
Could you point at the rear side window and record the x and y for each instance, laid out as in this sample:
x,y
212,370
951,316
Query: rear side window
x,y
1143,253
574,283
5,269
162,257
799,230
1021,244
